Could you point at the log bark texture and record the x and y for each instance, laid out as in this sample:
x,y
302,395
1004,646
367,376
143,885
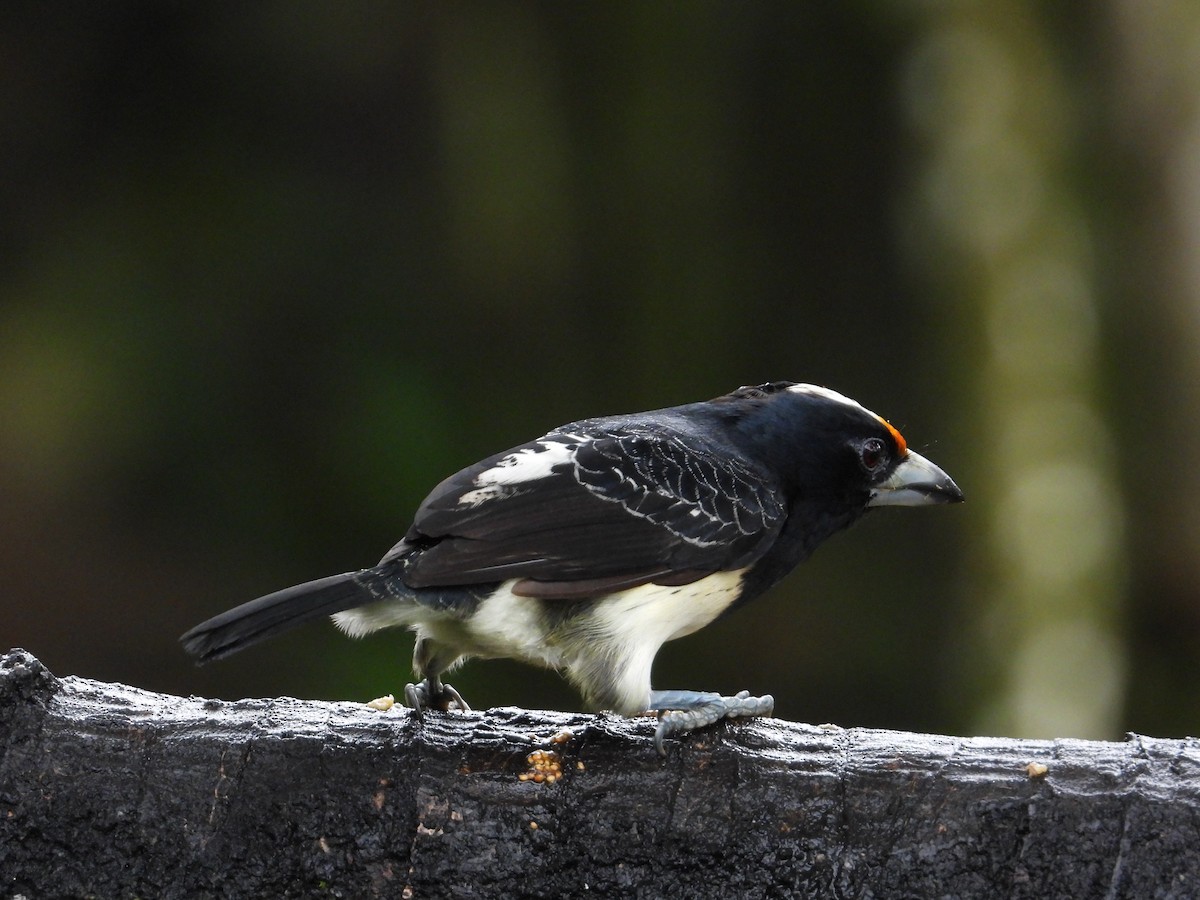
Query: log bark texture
x,y
110,791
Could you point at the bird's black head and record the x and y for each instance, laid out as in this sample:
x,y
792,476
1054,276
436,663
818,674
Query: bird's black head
x,y
828,449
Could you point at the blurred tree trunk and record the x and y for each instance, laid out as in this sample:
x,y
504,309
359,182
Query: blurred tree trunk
x,y
1146,66
1004,232
110,791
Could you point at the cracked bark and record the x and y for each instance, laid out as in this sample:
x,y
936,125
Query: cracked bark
x,y
111,791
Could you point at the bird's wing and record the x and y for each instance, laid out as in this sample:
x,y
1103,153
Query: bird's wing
x,y
578,514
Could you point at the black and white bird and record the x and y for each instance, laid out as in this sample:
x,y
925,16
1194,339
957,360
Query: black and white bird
x,y
589,548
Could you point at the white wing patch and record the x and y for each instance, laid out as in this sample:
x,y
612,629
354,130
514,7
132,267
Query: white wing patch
x,y
526,464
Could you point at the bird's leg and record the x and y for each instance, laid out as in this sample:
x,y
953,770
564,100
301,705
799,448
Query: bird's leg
x,y
682,711
431,691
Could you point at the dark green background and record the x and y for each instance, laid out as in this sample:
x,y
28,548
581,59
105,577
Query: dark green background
x,y
269,271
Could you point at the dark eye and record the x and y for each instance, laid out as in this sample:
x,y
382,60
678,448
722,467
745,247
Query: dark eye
x,y
872,453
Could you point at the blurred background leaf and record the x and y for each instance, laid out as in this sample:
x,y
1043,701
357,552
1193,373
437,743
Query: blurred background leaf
x,y
270,271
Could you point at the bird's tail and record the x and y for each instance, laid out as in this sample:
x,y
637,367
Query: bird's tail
x,y
260,619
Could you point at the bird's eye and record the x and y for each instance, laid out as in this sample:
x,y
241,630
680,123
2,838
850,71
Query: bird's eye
x,y
872,453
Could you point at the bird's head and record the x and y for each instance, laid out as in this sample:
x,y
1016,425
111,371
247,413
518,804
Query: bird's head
x,y
827,445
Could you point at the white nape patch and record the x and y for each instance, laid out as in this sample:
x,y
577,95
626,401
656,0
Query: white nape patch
x,y
527,464
827,393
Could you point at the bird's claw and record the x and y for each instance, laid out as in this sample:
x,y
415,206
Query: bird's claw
x,y
437,695
682,711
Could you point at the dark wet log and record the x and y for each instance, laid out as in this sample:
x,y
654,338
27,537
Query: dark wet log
x,y
110,791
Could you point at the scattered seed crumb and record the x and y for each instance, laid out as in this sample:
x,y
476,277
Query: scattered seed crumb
x,y
1036,770
545,767
580,766
533,826
383,704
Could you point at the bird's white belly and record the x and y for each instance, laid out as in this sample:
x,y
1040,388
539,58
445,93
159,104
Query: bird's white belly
x,y
506,624
606,646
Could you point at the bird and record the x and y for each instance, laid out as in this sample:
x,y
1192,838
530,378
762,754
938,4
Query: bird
x,y
588,548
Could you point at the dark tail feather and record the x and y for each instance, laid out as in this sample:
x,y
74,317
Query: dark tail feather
x,y
267,616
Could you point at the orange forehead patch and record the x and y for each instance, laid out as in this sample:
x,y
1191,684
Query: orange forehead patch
x,y
901,444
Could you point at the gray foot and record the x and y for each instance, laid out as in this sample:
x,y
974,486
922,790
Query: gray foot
x,y
433,694
682,711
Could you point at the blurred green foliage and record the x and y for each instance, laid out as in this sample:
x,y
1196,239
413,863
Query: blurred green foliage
x,y
270,271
